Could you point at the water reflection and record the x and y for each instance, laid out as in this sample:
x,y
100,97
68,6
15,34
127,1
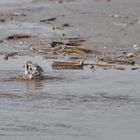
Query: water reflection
x,y
34,84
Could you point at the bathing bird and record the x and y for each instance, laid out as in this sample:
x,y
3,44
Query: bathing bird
x,y
31,71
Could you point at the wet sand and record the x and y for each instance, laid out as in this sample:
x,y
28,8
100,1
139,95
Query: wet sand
x,y
71,104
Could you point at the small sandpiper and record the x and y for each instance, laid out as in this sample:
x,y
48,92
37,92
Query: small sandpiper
x,y
32,71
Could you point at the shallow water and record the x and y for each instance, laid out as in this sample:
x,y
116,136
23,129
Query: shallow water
x,y
8,1
74,104
70,104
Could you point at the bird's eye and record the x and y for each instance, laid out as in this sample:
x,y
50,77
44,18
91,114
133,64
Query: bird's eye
x,y
31,69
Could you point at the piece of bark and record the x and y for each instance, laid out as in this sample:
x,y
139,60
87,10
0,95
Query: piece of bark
x,y
2,20
19,36
122,61
17,14
67,65
75,42
80,51
65,24
10,14
75,38
48,19
134,53
136,68
57,27
131,54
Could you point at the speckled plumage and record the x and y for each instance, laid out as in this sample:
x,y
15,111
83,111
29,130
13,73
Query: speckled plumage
x,y
32,71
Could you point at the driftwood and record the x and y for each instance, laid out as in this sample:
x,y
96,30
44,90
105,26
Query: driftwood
x,y
133,53
136,68
80,51
19,36
53,18
69,42
74,42
12,14
48,19
67,65
121,61
17,14
2,20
